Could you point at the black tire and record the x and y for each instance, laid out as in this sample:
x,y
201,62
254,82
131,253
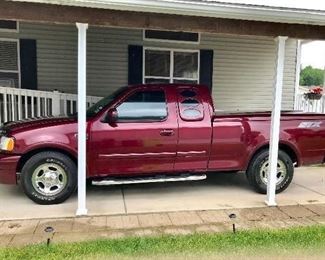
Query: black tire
x,y
254,176
67,172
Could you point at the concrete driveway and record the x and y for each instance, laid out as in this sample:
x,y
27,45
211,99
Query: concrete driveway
x,y
219,191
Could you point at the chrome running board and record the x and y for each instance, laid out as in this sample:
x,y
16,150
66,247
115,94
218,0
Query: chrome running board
x,y
120,181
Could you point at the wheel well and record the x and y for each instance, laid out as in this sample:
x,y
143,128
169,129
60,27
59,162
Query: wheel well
x,y
283,147
28,155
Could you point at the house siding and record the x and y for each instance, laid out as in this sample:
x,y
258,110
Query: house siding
x,y
243,66
244,71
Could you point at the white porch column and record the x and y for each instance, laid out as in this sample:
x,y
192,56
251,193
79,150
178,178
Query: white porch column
x,y
275,121
82,105
298,63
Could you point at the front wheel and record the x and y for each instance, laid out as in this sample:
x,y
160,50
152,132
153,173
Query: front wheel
x,y
257,172
49,178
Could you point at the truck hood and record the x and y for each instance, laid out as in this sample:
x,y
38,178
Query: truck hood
x,y
35,123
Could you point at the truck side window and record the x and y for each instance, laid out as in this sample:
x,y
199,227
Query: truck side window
x,y
143,105
190,106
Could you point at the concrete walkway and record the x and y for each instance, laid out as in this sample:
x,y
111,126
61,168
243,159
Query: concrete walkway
x,y
219,191
25,232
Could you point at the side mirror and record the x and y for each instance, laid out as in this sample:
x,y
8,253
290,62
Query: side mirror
x,y
111,116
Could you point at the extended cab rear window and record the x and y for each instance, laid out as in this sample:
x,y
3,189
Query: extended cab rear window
x,y
143,105
190,105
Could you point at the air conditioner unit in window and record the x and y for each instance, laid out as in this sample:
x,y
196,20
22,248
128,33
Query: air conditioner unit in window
x,y
8,83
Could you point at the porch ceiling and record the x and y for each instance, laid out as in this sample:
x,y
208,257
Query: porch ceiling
x,y
37,12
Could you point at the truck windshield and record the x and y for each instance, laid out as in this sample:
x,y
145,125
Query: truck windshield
x,y
96,108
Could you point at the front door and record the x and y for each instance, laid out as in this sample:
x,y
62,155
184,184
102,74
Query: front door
x,y
143,140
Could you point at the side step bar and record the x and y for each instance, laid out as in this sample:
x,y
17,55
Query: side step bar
x,y
161,178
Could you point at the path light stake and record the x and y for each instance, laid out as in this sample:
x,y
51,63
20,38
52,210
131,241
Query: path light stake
x,y
49,234
232,217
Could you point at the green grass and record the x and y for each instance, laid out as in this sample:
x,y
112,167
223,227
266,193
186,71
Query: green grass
x,y
296,241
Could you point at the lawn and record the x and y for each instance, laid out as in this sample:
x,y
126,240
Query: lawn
x,y
295,242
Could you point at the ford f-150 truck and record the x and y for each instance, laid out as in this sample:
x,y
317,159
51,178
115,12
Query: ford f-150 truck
x,y
155,133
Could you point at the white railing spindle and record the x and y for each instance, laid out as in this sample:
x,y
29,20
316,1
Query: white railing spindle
x,y
307,105
5,105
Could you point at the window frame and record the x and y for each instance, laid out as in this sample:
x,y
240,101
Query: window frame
x,y
10,30
18,59
144,38
139,120
171,77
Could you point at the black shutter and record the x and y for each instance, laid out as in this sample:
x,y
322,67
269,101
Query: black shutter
x,y
206,67
135,64
28,64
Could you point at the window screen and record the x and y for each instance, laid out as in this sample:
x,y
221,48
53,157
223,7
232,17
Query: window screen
x,y
8,55
169,66
9,71
186,65
143,105
157,63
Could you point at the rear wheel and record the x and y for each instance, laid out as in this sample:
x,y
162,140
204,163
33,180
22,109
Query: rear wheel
x,y
49,178
257,172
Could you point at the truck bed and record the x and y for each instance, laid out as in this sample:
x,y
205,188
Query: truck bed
x,y
238,135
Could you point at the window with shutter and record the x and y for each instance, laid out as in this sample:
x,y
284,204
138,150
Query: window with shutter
x,y
165,65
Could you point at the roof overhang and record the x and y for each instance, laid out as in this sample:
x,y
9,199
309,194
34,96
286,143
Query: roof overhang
x,y
207,8
30,11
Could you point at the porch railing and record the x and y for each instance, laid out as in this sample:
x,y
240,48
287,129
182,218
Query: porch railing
x,y
308,105
17,104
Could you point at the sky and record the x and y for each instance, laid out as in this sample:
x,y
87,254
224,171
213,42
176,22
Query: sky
x,y
313,54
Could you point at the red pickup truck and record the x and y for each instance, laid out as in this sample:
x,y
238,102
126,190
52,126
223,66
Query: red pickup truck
x,y
154,133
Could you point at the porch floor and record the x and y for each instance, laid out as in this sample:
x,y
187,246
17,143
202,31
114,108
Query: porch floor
x,y
219,191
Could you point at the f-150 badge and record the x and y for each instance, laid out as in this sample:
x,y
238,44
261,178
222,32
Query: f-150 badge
x,y
310,124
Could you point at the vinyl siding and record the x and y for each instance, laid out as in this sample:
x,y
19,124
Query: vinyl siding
x,y
243,66
244,70
56,54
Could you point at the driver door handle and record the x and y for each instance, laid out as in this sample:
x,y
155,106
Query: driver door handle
x,y
167,132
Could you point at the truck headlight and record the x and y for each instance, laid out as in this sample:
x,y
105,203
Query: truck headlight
x,y
7,143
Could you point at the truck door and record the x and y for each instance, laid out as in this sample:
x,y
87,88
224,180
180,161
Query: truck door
x,y
195,131
144,138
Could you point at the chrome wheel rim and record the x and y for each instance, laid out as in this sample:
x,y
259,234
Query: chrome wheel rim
x,y
49,179
281,172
